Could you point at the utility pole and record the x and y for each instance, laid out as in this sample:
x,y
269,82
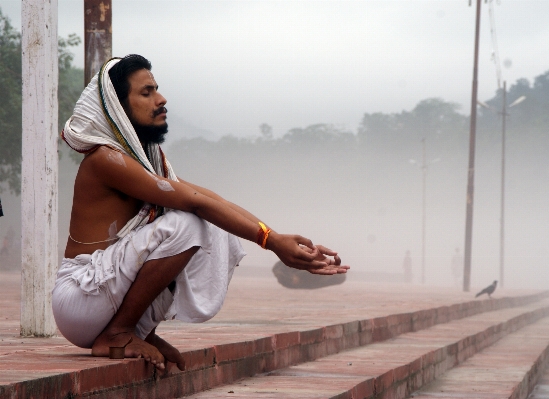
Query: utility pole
x,y
39,170
97,36
471,168
423,229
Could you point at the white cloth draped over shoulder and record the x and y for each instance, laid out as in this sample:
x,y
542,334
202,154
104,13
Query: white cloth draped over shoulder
x,y
99,119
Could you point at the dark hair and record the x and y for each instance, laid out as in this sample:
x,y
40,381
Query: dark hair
x,y
120,72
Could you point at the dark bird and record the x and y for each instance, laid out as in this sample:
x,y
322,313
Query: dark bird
x,y
488,290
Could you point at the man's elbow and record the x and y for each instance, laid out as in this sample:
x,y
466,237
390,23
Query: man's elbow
x,y
193,203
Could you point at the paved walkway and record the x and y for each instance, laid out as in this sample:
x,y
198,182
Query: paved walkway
x,y
255,308
492,351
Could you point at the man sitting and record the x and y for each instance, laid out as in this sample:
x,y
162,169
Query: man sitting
x,y
144,245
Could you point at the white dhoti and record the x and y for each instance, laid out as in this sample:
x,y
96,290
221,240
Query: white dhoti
x,y
89,289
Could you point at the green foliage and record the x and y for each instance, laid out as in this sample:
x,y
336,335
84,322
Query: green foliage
x,y
10,111
429,117
65,56
435,116
70,86
377,123
71,80
266,131
527,123
382,147
445,129
308,146
316,134
434,119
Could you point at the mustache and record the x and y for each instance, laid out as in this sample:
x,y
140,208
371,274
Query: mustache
x,y
160,110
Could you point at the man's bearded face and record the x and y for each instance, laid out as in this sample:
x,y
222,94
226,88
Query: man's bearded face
x,y
149,133
145,108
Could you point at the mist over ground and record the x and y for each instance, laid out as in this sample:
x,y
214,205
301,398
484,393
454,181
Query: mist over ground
x,y
361,193
329,81
364,197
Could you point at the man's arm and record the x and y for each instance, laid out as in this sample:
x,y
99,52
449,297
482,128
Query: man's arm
x,y
130,178
323,254
217,197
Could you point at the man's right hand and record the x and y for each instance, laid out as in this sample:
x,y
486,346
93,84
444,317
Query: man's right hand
x,y
299,253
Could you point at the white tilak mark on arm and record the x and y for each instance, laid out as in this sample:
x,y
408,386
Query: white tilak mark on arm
x,y
162,184
116,157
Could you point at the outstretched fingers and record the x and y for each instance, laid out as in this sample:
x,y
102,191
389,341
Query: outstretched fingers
x,y
300,253
326,251
304,263
321,265
306,246
336,260
329,269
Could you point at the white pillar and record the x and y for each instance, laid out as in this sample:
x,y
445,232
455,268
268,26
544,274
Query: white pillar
x,y
40,166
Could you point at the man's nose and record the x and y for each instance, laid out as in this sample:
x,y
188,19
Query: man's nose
x,y
160,100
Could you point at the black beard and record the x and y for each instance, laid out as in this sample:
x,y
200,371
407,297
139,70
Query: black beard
x,y
150,134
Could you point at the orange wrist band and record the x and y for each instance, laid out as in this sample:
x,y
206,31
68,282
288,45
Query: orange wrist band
x,y
262,235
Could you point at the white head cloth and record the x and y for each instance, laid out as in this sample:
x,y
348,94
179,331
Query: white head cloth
x,y
99,119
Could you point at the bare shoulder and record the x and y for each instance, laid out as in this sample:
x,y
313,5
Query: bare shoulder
x,y
95,172
101,172
105,157
111,171
103,176
110,167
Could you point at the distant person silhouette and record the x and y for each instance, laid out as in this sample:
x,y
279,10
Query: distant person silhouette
x,y
7,243
407,266
457,266
488,290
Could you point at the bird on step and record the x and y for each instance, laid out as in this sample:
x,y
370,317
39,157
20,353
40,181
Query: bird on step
x,y
488,290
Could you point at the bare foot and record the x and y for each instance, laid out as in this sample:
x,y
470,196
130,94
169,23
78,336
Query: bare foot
x,y
170,353
136,348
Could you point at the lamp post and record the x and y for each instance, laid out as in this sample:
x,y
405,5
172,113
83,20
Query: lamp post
x,y
503,114
424,167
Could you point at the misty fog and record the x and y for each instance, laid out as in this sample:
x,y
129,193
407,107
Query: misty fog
x,y
364,199
360,193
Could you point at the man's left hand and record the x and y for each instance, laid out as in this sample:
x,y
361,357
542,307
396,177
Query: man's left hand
x,y
330,258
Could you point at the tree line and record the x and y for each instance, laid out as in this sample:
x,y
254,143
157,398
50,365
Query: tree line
x,y
441,123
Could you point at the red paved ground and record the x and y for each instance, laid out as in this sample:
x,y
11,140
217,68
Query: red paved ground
x,y
254,308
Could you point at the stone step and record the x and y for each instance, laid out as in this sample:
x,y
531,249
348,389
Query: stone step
x,y
508,369
541,390
227,350
394,368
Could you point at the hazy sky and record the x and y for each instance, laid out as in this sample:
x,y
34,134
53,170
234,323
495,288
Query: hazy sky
x,y
228,66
